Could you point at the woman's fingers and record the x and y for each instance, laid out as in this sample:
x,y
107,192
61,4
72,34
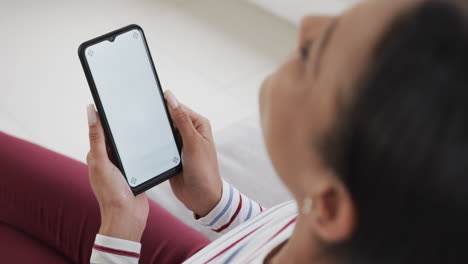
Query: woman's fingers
x,y
180,117
201,123
97,139
187,120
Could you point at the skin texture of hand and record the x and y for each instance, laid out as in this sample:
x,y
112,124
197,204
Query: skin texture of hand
x,y
199,186
122,214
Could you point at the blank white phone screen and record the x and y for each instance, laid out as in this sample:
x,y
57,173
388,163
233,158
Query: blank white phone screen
x,y
133,106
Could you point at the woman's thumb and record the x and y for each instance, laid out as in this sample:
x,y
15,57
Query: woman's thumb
x,y
97,141
180,117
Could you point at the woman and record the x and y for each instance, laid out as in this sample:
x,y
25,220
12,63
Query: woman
x,y
364,123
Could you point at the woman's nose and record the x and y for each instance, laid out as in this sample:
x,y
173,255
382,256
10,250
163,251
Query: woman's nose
x,y
311,27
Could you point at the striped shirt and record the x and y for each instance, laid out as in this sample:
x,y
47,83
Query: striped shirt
x,y
250,233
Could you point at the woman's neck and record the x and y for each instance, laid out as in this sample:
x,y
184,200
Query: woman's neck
x,y
300,248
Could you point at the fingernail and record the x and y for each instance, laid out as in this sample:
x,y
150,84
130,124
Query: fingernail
x,y
92,119
171,100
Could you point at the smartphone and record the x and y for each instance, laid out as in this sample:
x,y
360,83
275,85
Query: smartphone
x,y
130,102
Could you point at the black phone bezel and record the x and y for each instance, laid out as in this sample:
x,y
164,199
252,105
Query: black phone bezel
x,y
157,179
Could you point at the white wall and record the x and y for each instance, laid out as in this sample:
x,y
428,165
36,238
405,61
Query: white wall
x,y
294,10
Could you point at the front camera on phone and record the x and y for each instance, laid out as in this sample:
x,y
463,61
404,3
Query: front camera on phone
x,y
135,35
90,53
175,159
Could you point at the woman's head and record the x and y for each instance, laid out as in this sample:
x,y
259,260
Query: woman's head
x,y
367,118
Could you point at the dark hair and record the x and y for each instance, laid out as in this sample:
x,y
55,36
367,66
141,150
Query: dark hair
x,y
401,145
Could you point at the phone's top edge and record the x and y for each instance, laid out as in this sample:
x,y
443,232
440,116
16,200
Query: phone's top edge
x,y
86,44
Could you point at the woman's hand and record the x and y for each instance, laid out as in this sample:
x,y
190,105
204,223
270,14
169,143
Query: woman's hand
x,y
122,214
199,186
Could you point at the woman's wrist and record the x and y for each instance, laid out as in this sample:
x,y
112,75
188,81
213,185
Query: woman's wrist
x,y
123,225
205,210
209,204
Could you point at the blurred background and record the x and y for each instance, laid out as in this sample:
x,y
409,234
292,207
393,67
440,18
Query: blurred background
x,y
213,54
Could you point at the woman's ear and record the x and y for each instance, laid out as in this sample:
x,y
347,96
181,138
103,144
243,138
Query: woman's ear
x,y
334,213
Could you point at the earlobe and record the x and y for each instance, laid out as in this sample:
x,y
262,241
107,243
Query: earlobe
x,y
307,206
335,215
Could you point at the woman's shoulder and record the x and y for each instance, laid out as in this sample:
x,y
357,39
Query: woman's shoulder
x,y
255,229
